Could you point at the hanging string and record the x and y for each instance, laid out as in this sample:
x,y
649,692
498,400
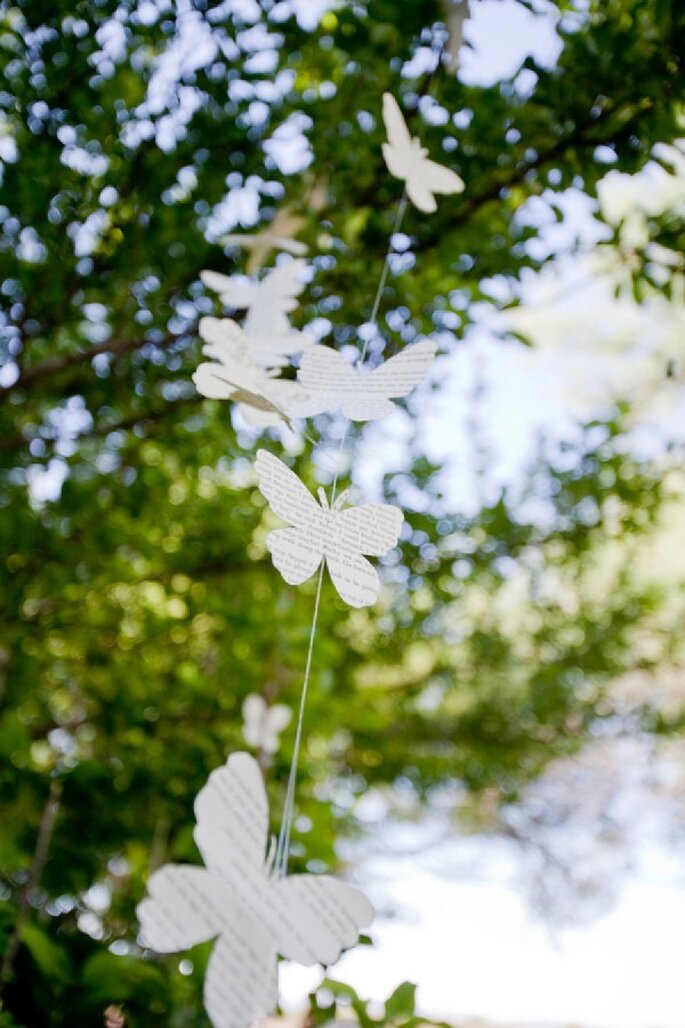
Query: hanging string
x,y
283,845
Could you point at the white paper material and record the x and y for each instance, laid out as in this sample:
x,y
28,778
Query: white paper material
x,y
266,241
319,532
332,384
262,725
233,375
270,337
407,160
279,234
237,897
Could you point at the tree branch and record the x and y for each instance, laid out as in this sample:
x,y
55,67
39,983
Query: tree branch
x,y
40,857
55,365
18,442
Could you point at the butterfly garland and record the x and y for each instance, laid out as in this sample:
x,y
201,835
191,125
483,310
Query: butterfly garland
x,y
241,898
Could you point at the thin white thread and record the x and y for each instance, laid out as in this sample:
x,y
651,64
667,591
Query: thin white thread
x,y
283,847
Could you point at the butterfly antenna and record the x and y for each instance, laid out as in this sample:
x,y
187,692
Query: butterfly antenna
x,y
270,855
323,499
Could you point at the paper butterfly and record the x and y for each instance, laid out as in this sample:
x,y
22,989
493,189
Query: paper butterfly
x,y
407,160
234,375
278,235
271,337
238,899
321,532
332,384
262,724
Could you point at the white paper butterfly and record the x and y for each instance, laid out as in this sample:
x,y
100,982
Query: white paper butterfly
x,y
238,899
233,375
408,160
266,241
332,384
271,337
278,235
262,725
320,532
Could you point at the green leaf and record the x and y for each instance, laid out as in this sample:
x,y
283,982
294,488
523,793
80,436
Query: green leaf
x,y
50,956
402,1003
114,979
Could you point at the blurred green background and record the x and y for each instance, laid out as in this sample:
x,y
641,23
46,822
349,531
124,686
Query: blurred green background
x,y
139,606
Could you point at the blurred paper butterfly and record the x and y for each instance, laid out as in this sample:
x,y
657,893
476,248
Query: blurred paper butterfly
x,y
331,383
321,532
271,338
253,913
277,235
407,160
234,375
262,724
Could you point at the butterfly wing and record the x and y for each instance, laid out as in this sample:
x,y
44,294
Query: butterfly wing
x,y
235,291
273,350
288,396
277,719
316,917
215,281
266,239
254,709
400,374
373,529
259,417
285,493
234,370
419,193
327,379
395,160
427,178
209,382
185,905
294,553
395,126
224,340
355,579
233,819
440,179
276,295
241,982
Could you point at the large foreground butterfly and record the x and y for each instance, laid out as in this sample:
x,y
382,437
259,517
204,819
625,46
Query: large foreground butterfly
x,y
340,536
253,913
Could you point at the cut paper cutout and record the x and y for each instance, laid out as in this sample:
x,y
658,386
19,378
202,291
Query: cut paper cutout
x,y
407,160
266,241
262,725
278,235
271,337
233,375
255,913
332,384
319,532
